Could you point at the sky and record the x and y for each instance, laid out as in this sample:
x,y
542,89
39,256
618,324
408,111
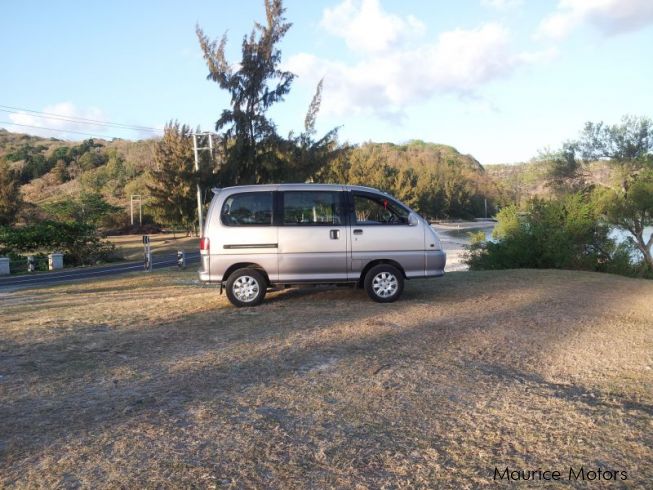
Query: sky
x,y
501,80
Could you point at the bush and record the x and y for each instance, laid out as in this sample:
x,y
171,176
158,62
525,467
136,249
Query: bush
x,y
79,242
559,234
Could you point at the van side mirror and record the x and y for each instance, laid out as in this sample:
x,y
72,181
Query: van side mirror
x,y
412,219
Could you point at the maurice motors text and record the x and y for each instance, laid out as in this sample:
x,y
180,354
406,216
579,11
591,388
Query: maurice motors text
x,y
574,474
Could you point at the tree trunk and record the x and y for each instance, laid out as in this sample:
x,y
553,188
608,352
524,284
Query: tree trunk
x,y
645,248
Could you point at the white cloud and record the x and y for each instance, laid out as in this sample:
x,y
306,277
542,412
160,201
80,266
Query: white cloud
x,y
386,82
608,16
501,4
60,126
364,25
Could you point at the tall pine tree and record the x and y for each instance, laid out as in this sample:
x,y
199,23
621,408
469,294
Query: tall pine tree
x,y
250,141
252,152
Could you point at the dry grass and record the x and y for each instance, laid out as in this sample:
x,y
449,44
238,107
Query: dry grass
x,y
156,381
130,247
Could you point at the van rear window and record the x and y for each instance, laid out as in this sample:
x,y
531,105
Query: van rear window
x,y
248,209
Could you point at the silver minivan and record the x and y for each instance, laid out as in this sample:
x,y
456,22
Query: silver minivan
x,y
280,235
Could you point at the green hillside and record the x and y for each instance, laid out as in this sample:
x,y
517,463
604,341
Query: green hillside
x,y
434,178
525,180
52,170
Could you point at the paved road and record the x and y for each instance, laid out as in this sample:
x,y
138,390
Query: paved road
x,y
70,275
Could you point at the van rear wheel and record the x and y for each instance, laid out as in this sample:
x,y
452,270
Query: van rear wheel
x,y
246,287
384,283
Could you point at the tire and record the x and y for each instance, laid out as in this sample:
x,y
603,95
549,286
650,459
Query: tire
x,y
384,283
246,287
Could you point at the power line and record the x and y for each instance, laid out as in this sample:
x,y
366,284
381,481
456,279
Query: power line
x,y
59,130
78,120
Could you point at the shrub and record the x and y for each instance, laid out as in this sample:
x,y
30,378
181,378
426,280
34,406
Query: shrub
x,y
79,242
561,234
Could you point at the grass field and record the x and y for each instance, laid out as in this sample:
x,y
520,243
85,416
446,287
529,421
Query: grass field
x,y
130,247
155,380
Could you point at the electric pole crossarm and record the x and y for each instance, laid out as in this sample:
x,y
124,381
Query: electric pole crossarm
x,y
196,150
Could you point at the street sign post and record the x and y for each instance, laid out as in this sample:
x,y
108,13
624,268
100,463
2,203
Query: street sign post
x,y
147,254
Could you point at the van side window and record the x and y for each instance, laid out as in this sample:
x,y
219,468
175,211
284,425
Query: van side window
x,y
247,209
378,211
312,208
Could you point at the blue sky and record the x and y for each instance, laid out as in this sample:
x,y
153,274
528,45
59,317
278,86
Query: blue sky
x,y
499,79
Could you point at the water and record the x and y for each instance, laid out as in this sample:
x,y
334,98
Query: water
x,y
621,235
464,234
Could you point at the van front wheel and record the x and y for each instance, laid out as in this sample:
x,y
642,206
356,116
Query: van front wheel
x,y
246,287
384,283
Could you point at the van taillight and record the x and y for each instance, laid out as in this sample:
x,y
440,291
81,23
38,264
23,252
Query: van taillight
x,y
204,244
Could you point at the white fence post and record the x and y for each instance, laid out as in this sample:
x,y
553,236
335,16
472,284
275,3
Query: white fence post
x,y
55,261
4,266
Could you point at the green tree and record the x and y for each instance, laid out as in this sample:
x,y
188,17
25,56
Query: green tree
x,y
118,173
79,242
34,162
629,147
565,233
60,172
250,141
251,150
632,210
10,195
565,173
173,180
89,209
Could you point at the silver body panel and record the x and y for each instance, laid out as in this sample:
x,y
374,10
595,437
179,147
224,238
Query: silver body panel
x,y
317,253
402,243
309,253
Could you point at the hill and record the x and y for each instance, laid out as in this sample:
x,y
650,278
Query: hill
x,y
418,153
435,179
529,179
52,169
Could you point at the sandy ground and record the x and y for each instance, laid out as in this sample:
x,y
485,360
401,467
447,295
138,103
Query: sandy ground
x,y
155,381
454,242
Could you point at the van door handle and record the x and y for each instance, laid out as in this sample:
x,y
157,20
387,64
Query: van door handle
x,y
358,232
335,234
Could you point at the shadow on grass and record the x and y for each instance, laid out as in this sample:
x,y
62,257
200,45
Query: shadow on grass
x,y
568,392
222,355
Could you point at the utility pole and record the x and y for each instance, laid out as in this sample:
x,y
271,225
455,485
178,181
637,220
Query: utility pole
x,y
136,197
196,150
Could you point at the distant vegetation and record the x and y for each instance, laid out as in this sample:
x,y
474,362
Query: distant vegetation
x,y
572,227
435,179
603,180
90,183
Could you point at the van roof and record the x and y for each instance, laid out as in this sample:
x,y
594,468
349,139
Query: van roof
x,y
300,187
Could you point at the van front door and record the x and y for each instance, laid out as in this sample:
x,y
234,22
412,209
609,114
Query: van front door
x,y
380,230
312,236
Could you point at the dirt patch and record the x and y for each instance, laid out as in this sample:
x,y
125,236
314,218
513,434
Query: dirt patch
x,y
152,380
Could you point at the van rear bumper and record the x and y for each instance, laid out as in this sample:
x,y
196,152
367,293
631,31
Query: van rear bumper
x,y
435,262
205,269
